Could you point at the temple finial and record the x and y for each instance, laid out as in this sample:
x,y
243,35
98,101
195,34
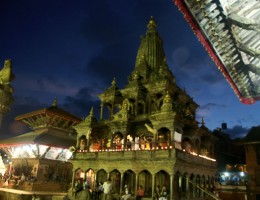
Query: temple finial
x,y
114,81
54,102
202,121
151,25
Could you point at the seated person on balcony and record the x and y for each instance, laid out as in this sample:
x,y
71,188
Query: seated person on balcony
x,y
127,194
139,193
128,144
164,194
142,143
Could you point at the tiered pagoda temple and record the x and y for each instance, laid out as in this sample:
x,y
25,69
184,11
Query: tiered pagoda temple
x,y
41,157
147,133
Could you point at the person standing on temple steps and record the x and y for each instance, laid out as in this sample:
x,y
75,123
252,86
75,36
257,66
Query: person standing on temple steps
x,y
107,189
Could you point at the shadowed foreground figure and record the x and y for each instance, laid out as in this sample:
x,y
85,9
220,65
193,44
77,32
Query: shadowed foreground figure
x,y
84,194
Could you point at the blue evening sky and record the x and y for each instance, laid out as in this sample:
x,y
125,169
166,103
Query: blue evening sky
x,y
72,50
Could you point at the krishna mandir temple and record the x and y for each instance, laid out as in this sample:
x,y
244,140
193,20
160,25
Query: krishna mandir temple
x,y
146,135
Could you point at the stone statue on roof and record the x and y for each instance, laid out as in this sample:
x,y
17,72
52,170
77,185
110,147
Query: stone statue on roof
x,y
6,76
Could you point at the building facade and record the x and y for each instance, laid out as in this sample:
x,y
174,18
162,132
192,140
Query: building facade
x,y
147,133
251,144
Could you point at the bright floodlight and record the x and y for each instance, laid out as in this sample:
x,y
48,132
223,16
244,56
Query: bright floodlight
x,y
226,174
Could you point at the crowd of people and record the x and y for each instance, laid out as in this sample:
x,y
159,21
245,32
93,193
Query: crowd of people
x,y
17,180
104,191
160,194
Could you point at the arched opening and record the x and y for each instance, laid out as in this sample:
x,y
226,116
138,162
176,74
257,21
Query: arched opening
x,y
185,184
115,177
198,191
197,146
106,111
140,109
162,178
192,185
101,176
145,180
176,185
82,142
163,137
187,145
129,180
132,106
90,178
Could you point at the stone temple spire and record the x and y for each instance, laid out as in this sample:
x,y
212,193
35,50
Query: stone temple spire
x,y
150,56
6,90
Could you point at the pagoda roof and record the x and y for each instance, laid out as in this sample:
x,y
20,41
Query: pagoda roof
x,y
229,31
49,117
49,137
52,110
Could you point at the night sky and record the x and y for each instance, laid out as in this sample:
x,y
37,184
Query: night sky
x,y
72,50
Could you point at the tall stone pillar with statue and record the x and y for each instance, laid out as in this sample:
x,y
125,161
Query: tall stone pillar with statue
x,y
6,90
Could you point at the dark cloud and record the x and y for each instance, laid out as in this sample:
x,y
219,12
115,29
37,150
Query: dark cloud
x,y
209,106
109,63
237,131
49,82
81,103
21,105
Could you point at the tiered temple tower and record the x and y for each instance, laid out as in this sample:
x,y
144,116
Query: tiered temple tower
x,y
6,90
147,133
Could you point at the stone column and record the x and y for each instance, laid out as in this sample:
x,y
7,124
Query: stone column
x,y
194,187
179,185
171,185
121,182
202,185
153,182
101,111
187,192
136,184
